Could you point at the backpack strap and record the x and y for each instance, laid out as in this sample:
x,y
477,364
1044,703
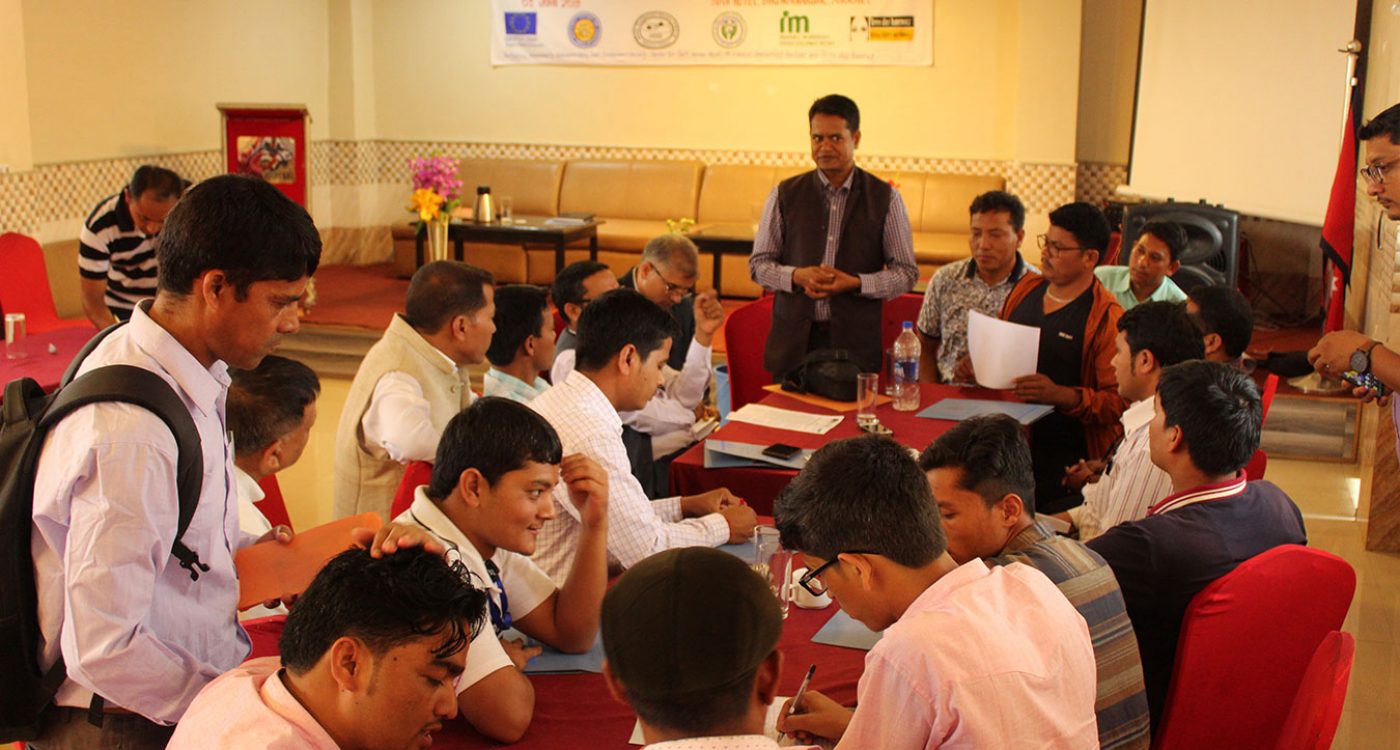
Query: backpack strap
x,y
72,370
140,387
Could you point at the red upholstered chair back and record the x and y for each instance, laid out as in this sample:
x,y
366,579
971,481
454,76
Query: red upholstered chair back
x,y
745,336
417,474
1254,470
1266,397
273,506
901,308
1317,709
24,285
1246,641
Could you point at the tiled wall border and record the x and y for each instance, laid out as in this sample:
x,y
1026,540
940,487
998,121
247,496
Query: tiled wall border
x,y
55,195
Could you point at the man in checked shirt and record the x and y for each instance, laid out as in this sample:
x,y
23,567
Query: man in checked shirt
x,y
833,245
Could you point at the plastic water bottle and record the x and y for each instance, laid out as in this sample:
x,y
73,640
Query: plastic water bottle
x,y
906,369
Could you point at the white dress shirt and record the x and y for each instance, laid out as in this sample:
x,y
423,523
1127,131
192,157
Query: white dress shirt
x,y
399,418
129,622
587,423
1130,486
526,585
669,417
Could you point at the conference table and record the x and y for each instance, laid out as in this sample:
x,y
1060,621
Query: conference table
x,y
46,368
576,710
760,485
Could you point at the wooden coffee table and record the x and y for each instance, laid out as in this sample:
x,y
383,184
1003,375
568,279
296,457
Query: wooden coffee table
x,y
521,230
720,240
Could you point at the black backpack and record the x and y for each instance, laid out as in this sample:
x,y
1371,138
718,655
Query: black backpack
x,y
829,373
29,414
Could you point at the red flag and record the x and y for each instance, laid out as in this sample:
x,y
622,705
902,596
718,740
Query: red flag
x,y
1337,226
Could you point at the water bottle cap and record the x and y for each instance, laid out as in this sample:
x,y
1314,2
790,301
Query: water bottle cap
x,y
908,325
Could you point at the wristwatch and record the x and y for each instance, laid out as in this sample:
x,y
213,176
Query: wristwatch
x,y
1361,358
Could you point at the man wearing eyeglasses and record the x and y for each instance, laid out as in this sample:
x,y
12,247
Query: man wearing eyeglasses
x,y
971,656
1343,351
832,245
1078,322
117,244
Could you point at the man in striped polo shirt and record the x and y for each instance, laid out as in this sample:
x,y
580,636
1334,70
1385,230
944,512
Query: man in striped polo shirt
x,y
117,246
982,479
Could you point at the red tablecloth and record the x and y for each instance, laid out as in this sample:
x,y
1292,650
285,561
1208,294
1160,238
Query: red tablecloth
x,y
45,368
576,710
759,486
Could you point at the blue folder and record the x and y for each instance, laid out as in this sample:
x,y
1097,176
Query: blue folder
x,y
958,409
843,630
550,661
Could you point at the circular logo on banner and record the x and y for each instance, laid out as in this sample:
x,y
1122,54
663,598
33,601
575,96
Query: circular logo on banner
x,y
656,30
585,30
729,30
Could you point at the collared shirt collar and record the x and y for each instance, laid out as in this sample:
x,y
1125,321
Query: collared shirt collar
x,y
204,387
1139,414
280,701
1216,491
850,180
1017,271
427,514
514,383
589,399
248,487
941,588
1030,536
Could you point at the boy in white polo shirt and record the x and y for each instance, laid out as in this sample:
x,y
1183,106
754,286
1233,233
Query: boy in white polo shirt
x,y
491,491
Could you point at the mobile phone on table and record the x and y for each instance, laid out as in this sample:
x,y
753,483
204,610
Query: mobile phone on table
x,y
782,451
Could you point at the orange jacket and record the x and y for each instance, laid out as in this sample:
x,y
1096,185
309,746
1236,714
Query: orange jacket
x,y
1100,407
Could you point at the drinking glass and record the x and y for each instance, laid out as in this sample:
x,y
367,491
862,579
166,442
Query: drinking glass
x,y
887,372
867,391
16,338
773,563
507,210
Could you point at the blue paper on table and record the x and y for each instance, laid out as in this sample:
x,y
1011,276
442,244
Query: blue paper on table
x,y
842,630
741,550
958,409
750,454
550,661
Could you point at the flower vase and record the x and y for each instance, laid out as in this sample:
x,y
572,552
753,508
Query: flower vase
x,y
437,238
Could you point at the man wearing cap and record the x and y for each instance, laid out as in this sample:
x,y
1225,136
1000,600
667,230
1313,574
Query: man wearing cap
x,y
689,688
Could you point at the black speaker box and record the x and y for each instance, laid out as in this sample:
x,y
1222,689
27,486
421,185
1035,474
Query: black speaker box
x,y
1213,241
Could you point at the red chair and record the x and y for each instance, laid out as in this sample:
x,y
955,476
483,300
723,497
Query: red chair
x,y
1254,471
1246,642
901,308
1317,709
273,506
24,285
1266,397
417,474
745,336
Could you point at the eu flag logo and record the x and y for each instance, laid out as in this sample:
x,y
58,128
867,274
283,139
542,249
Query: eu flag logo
x,y
520,23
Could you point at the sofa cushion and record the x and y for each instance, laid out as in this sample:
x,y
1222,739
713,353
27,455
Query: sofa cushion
x,y
941,248
532,185
735,193
655,190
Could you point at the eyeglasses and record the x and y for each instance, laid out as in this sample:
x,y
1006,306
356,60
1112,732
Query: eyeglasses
x,y
813,584
1376,173
673,290
1051,246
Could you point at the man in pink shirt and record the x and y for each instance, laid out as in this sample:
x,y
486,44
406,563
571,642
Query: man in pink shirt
x,y
369,657
971,657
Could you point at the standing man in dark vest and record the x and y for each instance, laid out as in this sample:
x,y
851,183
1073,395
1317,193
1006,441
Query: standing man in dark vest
x,y
833,245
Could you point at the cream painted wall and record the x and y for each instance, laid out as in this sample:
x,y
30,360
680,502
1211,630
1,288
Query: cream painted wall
x,y
15,151
434,81
1107,79
142,77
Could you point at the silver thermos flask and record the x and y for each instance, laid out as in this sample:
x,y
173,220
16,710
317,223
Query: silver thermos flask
x,y
485,211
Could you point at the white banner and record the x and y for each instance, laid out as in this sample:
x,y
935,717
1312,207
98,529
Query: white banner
x,y
712,32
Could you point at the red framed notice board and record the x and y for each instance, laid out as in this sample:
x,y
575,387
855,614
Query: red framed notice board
x,y
268,141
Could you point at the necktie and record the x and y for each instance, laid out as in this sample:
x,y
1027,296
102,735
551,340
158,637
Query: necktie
x,y
500,614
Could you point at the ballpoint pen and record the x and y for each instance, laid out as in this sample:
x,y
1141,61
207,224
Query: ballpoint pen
x,y
797,699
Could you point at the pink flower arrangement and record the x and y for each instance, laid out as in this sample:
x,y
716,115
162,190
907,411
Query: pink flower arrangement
x,y
435,185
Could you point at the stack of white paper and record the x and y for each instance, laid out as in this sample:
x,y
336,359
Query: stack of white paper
x,y
785,419
1001,351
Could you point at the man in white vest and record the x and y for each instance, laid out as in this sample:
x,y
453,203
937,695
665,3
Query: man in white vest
x,y
410,384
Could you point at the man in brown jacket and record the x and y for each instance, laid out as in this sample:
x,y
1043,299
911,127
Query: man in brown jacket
x,y
1078,320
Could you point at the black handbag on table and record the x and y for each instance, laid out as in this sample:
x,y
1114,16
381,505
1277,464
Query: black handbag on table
x,y
829,373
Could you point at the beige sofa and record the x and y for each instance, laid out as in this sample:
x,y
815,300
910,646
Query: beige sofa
x,y
634,199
